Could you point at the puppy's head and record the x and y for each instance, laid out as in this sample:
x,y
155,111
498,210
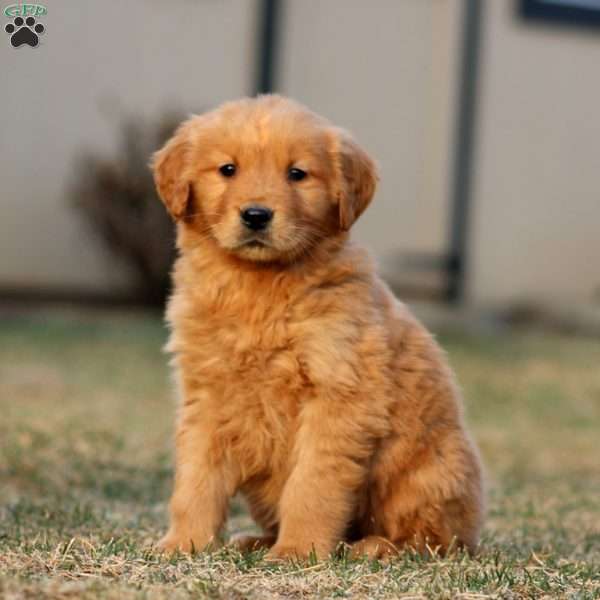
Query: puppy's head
x,y
264,179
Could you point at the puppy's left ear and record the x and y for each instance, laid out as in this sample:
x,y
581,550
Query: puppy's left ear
x,y
356,178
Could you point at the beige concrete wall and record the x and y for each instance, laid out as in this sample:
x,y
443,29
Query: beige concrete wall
x,y
143,55
536,225
385,70
386,74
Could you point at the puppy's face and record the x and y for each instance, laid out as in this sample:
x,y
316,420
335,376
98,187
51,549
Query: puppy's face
x,y
264,179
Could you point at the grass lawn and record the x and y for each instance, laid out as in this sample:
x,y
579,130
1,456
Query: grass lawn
x,y
85,421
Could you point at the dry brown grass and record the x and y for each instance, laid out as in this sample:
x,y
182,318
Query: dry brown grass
x,y
85,473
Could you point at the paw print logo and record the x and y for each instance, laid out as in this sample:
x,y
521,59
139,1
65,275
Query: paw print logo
x,y
24,31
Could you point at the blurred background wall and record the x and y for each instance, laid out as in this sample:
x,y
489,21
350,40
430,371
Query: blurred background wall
x,y
536,198
391,71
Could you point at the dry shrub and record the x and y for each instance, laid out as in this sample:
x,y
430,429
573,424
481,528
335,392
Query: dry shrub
x,y
117,198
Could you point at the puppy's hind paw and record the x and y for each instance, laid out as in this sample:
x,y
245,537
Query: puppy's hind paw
x,y
251,543
374,547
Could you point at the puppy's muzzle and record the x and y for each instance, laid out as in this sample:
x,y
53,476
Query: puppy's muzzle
x,y
256,217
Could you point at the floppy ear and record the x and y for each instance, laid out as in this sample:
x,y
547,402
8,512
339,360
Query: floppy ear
x,y
169,165
356,175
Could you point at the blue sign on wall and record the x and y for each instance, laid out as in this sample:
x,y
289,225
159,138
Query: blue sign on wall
x,y
573,12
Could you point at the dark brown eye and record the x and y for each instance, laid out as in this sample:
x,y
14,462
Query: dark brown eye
x,y
227,170
295,174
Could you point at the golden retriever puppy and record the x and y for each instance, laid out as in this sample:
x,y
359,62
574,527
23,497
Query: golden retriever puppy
x,y
304,384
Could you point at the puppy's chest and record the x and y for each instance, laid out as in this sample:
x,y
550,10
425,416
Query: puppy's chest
x,y
252,351
250,370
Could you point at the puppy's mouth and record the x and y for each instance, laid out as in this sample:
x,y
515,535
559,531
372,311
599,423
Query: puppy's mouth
x,y
255,242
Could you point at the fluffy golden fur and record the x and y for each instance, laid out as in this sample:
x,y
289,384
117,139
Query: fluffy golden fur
x,y
305,384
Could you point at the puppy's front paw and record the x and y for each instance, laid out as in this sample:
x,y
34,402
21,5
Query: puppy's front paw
x,y
281,553
172,543
284,553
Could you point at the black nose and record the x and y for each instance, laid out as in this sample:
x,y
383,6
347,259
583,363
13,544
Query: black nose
x,y
256,217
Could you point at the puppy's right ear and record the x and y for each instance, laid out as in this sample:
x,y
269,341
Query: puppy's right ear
x,y
169,166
